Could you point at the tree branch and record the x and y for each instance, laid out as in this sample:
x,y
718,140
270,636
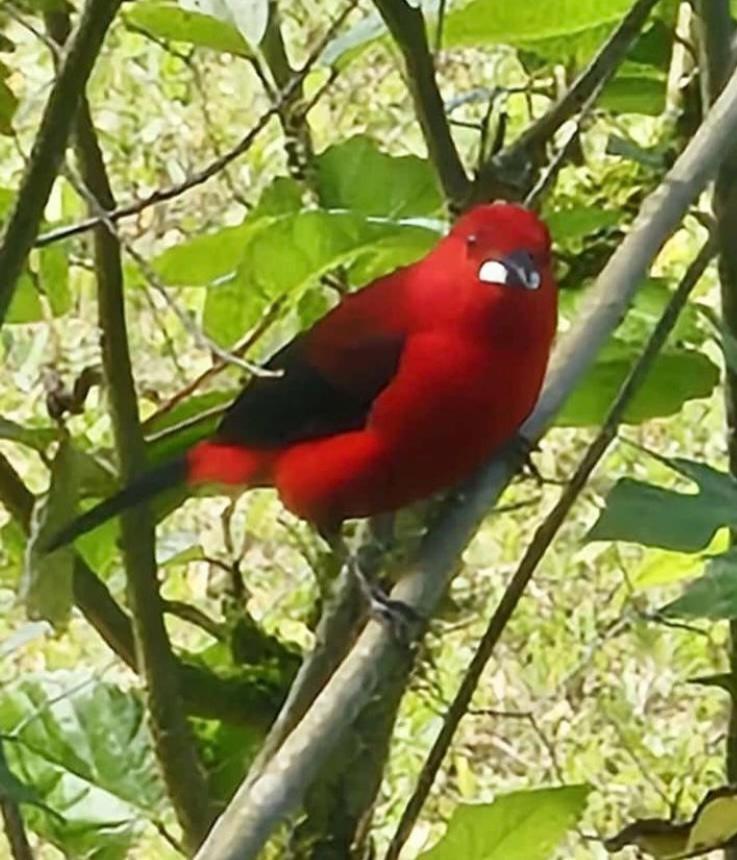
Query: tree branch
x,y
48,149
161,195
252,815
173,741
509,172
540,543
407,26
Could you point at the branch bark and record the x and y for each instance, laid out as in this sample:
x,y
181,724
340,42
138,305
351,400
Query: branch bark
x,y
509,172
48,150
407,26
173,740
252,815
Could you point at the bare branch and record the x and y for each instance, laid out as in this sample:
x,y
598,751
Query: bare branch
x,y
48,150
407,26
161,195
509,171
252,815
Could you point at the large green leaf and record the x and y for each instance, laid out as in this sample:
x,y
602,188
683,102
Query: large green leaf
x,y
166,20
522,825
356,175
676,376
631,93
575,222
655,516
557,29
714,595
209,257
84,747
313,243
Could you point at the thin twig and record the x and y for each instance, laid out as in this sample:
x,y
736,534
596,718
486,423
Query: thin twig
x,y
407,27
161,195
22,226
540,543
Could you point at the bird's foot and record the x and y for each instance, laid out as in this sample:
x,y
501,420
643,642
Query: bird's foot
x,y
529,469
401,619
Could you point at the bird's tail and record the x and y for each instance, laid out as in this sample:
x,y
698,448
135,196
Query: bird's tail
x,y
145,487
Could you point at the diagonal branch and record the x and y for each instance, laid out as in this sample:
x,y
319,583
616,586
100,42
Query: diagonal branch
x,y
48,150
541,542
508,172
254,812
407,26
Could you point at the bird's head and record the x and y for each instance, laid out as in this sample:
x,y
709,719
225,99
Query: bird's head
x,y
506,246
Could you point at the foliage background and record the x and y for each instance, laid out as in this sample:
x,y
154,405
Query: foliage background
x,y
587,687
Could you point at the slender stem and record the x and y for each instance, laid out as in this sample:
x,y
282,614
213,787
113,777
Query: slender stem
x,y
48,149
407,26
540,543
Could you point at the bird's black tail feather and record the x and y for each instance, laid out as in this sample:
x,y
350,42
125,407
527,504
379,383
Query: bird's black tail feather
x,y
145,487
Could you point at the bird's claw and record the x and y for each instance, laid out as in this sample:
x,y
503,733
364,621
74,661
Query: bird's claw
x,y
400,617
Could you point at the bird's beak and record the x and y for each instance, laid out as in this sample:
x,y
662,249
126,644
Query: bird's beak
x,y
516,269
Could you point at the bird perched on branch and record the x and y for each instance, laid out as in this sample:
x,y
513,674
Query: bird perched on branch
x,y
403,389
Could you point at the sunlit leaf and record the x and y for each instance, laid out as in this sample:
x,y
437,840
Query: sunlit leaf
x,y
522,825
167,20
713,596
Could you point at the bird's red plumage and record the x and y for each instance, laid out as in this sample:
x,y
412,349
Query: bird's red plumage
x,y
431,367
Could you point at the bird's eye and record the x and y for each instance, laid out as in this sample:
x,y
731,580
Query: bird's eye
x,y
472,240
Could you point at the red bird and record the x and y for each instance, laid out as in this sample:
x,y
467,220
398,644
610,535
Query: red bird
x,y
402,390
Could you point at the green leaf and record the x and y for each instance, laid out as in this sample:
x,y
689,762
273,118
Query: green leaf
x,y
38,438
25,306
714,595
557,29
521,825
165,20
356,175
46,585
250,17
314,242
84,746
8,105
664,567
575,222
53,273
210,257
675,377
641,94
655,516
